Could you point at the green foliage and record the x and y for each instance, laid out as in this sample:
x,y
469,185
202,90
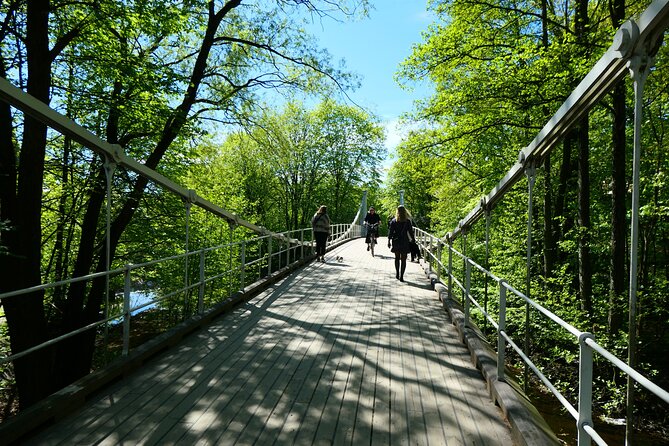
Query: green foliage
x,y
278,173
415,176
500,72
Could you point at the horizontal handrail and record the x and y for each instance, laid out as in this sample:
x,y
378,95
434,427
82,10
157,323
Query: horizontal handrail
x,y
573,330
634,38
431,251
50,342
341,231
68,127
645,382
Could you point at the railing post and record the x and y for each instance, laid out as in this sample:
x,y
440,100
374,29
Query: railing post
x,y
269,255
450,266
126,310
584,389
429,264
289,248
468,273
286,249
501,330
439,245
186,259
302,244
110,168
639,67
200,294
231,247
313,243
242,271
464,265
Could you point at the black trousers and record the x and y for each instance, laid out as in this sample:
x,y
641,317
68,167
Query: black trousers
x,y
321,239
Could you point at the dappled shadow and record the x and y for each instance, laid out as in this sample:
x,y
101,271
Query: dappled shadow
x,y
336,353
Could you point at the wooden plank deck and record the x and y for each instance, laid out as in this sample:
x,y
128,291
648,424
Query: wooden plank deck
x,y
336,353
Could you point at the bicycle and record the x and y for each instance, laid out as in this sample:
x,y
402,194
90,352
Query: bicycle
x,y
373,232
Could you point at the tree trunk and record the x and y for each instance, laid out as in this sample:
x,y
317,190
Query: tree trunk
x,y
617,298
85,308
76,352
60,267
549,225
39,374
584,264
561,214
618,215
581,29
25,314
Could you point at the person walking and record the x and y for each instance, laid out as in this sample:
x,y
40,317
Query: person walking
x,y
400,235
320,224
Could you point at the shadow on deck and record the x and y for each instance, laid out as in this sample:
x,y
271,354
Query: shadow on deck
x,y
333,353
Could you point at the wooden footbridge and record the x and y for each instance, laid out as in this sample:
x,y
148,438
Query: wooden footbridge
x,y
307,353
334,353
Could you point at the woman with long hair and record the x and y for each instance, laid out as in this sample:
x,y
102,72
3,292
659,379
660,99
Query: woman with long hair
x,y
400,234
321,226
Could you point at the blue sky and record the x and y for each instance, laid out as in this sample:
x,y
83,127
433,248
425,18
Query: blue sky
x,y
373,48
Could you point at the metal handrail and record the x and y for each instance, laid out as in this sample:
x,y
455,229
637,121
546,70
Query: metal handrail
x,y
584,339
342,231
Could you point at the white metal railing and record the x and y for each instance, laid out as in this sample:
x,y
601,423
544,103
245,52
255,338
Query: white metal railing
x,y
293,246
432,251
636,41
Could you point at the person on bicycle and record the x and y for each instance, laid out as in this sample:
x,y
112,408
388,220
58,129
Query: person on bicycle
x,y
371,219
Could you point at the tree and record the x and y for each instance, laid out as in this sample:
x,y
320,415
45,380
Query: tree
x,y
618,193
417,176
22,184
585,268
293,161
353,144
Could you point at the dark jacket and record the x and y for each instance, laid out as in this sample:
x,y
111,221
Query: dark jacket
x,y
400,233
372,218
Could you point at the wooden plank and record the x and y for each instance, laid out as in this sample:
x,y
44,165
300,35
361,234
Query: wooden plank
x,y
340,352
